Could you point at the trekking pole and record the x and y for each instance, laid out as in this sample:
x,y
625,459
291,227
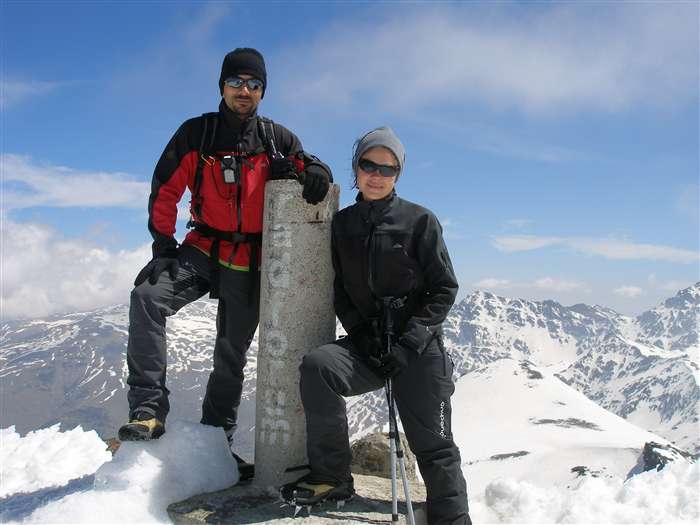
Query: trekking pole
x,y
395,450
392,457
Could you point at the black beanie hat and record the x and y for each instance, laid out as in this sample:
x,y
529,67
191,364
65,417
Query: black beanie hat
x,y
244,60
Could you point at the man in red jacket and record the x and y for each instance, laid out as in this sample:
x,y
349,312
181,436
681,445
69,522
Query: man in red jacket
x,y
224,159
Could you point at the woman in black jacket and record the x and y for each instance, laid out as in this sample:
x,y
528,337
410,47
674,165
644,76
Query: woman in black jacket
x,y
388,253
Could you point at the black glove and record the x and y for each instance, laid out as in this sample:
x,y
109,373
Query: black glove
x,y
165,260
282,168
366,339
394,362
316,180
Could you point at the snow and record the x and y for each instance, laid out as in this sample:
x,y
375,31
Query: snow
x,y
651,351
144,478
693,355
115,317
38,460
503,410
668,496
520,435
136,486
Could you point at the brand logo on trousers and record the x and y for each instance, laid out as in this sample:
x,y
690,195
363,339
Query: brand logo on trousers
x,y
442,420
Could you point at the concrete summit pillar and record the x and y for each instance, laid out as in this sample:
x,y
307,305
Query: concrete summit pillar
x,y
296,316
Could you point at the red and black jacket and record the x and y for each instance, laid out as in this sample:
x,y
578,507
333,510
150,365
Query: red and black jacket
x,y
217,205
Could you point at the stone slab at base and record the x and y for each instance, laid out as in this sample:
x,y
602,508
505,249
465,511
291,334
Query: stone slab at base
x,y
247,504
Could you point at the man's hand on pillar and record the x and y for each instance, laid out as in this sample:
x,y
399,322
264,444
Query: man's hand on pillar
x,y
282,168
316,181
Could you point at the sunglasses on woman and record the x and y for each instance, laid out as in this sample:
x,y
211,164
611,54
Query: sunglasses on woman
x,y
253,84
368,166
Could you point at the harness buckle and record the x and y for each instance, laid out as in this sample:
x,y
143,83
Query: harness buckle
x,y
397,303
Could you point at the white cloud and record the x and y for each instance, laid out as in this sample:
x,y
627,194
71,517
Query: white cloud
x,y
492,139
493,283
559,58
630,292
13,92
26,183
674,285
44,273
625,250
610,248
548,284
523,243
558,285
501,142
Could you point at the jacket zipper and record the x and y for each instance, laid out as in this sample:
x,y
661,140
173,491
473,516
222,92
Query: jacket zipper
x,y
239,189
231,214
371,257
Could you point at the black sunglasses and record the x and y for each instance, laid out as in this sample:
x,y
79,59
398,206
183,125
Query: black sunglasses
x,y
253,84
368,166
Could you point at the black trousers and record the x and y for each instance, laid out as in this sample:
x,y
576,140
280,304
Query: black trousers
x,y
237,319
422,392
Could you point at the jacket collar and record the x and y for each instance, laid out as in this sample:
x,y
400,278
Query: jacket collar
x,y
232,120
373,210
380,203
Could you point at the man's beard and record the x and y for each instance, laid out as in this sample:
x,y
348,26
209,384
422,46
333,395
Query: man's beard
x,y
244,110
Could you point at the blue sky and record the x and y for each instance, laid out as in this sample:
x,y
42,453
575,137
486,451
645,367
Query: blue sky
x,y
556,141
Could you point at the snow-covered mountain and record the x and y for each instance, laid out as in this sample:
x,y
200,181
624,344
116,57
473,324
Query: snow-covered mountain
x,y
519,421
637,368
652,388
72,368
485,327
673,325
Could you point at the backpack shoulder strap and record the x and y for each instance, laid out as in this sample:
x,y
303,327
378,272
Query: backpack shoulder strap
x,y
210,122
266,129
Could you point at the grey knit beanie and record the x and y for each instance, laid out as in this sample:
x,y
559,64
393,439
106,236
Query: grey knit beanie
x,y
383,136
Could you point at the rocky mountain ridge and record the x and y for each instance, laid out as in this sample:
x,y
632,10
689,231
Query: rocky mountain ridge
x,y
72,369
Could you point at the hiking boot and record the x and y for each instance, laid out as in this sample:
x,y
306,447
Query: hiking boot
x,y
246,470
143,427
307,491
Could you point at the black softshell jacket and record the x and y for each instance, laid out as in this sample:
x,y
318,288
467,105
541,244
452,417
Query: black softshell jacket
x,y
395,248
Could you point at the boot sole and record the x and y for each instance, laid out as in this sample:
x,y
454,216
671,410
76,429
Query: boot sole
x,y
128,433
317,500
314,502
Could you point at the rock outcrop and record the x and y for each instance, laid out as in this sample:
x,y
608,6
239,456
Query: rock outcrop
x,y
246,503
371,456
250,504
